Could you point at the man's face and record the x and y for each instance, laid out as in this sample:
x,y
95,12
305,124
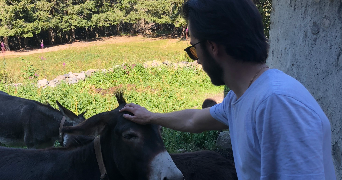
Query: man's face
x,y
211,67
209,64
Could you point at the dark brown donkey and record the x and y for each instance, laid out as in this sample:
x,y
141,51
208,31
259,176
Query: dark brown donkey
x,y
25,122
205,165
199,165
128,151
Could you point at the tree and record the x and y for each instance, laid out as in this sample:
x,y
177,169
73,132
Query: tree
x,y
305,42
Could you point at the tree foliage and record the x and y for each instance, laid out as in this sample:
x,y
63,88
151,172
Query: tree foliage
x,y
58,21
265,8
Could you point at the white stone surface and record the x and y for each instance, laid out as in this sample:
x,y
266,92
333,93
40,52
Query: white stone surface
x,y
306,43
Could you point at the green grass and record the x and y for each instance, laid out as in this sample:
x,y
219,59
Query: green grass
x,y
76,59
159,89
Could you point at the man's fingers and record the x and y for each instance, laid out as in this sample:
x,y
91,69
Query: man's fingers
x,y
123,109
130,109
127,116
133,118
129,105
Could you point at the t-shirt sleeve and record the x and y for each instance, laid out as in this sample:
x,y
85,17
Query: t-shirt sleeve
x,y
291,138
219,111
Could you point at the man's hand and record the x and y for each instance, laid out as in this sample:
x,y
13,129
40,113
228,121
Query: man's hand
x,y
140,114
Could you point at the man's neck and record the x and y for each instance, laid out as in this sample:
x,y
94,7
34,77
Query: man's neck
x,y
239,76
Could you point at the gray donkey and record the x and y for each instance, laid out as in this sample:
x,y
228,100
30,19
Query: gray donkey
x,y
25,122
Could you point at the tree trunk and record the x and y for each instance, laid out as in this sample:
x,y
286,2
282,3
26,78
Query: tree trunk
x,y
51,36
87,33
305,42
72,35
118,28
19,42
26,42
96,30
6,43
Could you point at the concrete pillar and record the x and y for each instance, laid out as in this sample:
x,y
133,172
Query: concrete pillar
x,y
306,43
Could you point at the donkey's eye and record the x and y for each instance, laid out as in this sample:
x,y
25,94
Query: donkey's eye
x,y
130,136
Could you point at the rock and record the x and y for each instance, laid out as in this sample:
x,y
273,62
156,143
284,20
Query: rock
x,y
72,80
42,83
71,76
156,63
54,83
153,63
90,72
181,65
147,64
60,78
167,63
224,141
80,76
194,64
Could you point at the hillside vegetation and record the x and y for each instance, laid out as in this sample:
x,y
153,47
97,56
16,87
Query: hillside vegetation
x,y
159,89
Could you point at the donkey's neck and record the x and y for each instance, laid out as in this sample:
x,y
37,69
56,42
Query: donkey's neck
x,y
113,172
83,162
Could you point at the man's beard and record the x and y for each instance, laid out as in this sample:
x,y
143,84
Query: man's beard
x,y
212,68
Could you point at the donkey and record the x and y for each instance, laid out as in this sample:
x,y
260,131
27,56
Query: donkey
x,y
199,165
25,122
204,165
3,93
208,103
122,150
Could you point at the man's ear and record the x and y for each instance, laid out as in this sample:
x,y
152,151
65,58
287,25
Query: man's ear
x,y
217,51
213,48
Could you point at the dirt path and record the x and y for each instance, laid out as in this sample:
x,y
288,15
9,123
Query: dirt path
x,y
109,40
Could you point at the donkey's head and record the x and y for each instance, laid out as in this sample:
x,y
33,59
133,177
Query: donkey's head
x,y
130,151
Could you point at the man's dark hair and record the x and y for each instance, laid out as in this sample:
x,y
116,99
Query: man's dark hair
x,y
236,24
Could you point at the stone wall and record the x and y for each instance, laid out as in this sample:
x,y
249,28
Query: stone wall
x,y
306,43
72,78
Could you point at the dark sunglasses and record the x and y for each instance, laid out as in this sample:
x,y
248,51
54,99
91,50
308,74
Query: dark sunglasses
x,y
191,50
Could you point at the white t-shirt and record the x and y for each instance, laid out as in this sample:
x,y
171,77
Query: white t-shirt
x,y
278,130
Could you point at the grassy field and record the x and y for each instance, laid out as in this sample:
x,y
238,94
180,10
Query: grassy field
x,y
101,55
159,89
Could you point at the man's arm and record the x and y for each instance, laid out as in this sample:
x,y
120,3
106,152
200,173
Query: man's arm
x,y
188,120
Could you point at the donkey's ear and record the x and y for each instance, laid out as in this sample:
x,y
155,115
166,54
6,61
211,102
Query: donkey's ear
x,y
47,104
119,97
69,115
94,125
90,127
82,114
